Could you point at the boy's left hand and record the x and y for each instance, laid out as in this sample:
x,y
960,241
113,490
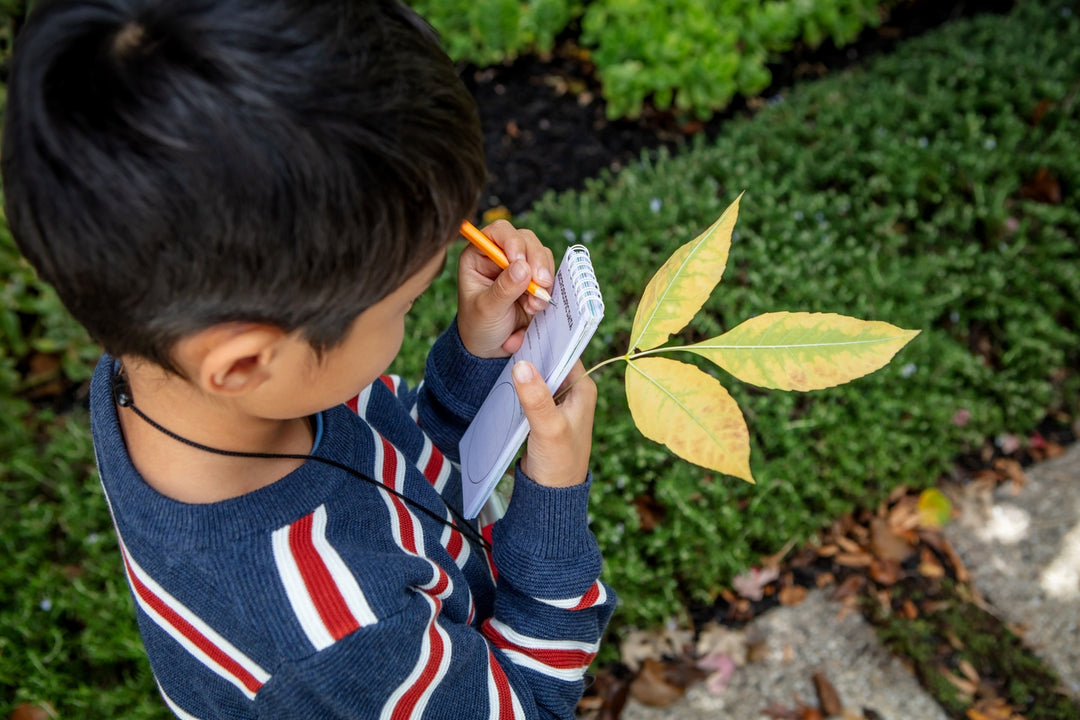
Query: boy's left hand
x,y
493,305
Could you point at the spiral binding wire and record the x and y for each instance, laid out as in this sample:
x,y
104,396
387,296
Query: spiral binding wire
x,y
583,279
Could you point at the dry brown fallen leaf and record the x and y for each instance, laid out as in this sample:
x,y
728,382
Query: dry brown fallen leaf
x,y
849,588
660,684
828,698
651,688
929,565
28,711
885,572
776,711
1043,187
609,693
792,595
886,544
639,645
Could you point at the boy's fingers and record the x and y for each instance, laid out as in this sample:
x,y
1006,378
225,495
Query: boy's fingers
x,y
571,377
540,259
522,244
579,401
509,238
534,395
510,283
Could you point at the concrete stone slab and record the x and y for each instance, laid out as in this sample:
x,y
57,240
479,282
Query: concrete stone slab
x,y
816,635
1022,549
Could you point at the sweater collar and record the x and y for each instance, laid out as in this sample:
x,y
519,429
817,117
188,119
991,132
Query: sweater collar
x,y
137,507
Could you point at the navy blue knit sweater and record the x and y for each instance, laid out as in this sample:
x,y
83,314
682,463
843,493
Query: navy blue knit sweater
x,y
323,596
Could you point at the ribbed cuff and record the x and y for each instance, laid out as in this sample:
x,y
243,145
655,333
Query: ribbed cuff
x,y
543,543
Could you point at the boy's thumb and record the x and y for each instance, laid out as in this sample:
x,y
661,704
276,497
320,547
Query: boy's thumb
x,y
533,393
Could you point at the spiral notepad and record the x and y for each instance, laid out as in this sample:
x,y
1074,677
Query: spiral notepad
x,y
553,342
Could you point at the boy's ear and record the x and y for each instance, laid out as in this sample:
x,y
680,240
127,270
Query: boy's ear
x,y
231,358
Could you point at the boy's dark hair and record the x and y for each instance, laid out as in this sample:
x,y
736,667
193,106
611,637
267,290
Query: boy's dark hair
x,y
173,164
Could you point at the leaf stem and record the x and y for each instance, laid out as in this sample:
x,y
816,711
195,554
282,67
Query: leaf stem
x,y
654,351
589,372
627,357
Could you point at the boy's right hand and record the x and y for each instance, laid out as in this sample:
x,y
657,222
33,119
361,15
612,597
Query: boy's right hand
x,y
560,435
493,307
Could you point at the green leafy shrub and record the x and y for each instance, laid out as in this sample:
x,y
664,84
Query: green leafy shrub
x,y
489,32
691,55
696,55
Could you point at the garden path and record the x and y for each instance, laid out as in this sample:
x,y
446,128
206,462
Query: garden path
x,y
1020,544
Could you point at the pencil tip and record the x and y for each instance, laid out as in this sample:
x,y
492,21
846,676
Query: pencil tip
x,y
542,294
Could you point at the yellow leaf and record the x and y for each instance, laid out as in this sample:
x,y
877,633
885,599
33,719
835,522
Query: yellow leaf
x,y
690,412
683,284
935,510
804,351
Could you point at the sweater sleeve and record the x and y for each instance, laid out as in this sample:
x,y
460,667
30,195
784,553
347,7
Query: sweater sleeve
x,y
527,660
455,385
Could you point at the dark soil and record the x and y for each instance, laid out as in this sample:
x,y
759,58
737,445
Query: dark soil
x,y
544,123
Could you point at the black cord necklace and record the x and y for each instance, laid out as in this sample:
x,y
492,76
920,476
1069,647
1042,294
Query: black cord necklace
x,y
121,392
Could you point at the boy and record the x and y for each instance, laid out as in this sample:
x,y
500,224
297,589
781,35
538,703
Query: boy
x,y
240,199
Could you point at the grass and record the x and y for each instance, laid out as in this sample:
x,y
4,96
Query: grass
x,y
904,191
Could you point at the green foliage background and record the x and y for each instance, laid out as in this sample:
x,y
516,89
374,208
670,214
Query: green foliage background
x,y
891,192
691,55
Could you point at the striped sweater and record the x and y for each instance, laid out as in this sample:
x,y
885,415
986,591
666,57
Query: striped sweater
x,y
322,596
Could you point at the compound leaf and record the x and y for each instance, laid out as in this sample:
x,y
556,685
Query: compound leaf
x,y
682,284
803,351
690,412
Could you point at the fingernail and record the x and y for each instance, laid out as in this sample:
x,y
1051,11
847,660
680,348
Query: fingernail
x,y
522,372
519,271
543,276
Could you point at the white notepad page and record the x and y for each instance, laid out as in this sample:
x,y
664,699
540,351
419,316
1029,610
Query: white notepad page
x,y
554,340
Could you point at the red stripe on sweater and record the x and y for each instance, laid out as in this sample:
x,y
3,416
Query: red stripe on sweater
x,y
552,657
434,465
441,584
191,633
454,544
502,686
589,598
407,704
322,589
389,478
488,533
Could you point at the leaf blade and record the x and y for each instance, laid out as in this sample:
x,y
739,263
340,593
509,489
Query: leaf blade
x,y
935,509
804,351
683,283
689,412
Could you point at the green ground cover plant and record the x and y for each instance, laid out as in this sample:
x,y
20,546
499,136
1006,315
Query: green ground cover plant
x,y
693,56
696,55
491,31
917,189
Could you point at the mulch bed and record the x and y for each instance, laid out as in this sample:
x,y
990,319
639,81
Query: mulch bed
x,y
544,122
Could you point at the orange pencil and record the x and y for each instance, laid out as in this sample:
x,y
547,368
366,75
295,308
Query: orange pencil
x,y
493,251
